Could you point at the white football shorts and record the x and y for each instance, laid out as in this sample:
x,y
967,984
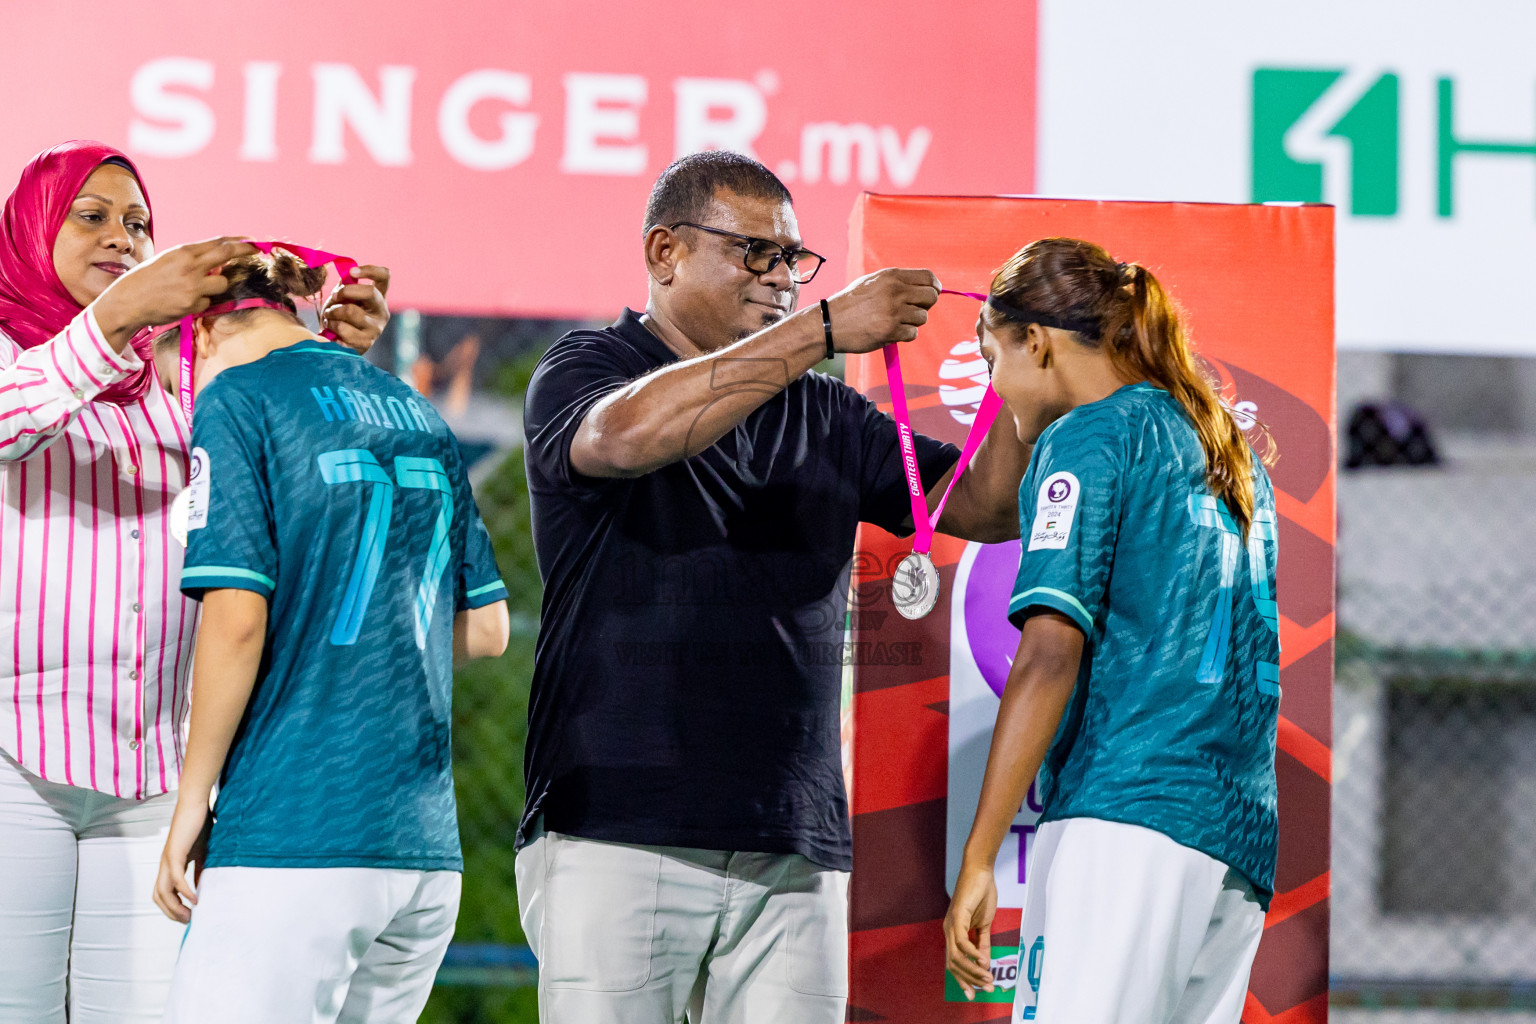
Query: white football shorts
x,y
313,945
1122,925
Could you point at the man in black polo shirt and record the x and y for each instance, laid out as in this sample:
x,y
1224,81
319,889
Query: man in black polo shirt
x,y
696,491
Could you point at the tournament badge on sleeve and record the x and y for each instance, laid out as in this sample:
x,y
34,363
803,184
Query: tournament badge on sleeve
x,y
189,509
915,585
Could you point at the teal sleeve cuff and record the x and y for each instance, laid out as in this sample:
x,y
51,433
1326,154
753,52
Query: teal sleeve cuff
x,y
195,579
488,594
1056,600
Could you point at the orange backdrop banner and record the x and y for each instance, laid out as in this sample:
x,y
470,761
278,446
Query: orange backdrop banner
x,y
1256,287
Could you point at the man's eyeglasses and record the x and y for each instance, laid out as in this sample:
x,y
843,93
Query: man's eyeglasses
x,y
761,256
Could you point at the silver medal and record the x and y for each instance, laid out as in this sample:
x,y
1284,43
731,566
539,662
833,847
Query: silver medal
x,y
915,587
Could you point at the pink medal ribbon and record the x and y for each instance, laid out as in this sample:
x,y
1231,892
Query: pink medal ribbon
x,y
915,586
311,257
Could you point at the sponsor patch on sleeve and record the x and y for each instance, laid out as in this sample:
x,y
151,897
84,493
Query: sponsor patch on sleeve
x,y
198,483
1054,509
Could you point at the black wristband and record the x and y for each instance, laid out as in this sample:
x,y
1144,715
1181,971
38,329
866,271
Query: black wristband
x,y
826,326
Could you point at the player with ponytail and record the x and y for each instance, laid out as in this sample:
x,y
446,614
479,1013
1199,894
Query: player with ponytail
x,y
1145,691
342,567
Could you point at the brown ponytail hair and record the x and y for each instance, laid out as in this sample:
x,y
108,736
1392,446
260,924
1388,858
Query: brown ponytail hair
x,y
1079,286
278,277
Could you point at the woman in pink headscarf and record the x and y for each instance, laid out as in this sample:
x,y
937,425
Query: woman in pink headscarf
x,y
95,637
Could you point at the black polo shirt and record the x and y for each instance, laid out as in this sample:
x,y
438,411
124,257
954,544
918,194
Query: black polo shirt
x,y
688,677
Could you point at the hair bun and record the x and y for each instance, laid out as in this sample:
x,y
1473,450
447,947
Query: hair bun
x,y
293,276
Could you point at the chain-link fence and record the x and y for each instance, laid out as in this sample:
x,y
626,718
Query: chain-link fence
x,y
1434,815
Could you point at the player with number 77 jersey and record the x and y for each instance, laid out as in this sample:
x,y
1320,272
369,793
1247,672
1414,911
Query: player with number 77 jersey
x,y
342,565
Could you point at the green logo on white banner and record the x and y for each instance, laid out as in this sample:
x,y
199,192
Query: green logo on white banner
x,y
1282,97
1297,111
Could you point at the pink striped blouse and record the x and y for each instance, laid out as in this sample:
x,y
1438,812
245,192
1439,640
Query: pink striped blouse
x,y
94,634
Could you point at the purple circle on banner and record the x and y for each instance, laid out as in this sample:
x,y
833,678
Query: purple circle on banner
x,y
992,637
1058,490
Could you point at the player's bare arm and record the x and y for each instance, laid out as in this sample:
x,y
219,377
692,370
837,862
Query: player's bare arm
x,y
680,410
229,645
1039,687
481,632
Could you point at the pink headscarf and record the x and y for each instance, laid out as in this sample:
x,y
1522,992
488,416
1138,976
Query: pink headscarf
x,y
34,304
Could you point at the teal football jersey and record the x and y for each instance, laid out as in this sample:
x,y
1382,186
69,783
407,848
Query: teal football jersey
x,y
335,491
1172,723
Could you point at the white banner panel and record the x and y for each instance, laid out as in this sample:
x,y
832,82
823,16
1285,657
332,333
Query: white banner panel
x,y
1417,120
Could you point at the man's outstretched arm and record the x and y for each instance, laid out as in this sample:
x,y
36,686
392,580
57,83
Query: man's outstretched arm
x,y
680,410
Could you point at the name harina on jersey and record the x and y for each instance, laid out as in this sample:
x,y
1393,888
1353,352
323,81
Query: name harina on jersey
x,y
353,404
